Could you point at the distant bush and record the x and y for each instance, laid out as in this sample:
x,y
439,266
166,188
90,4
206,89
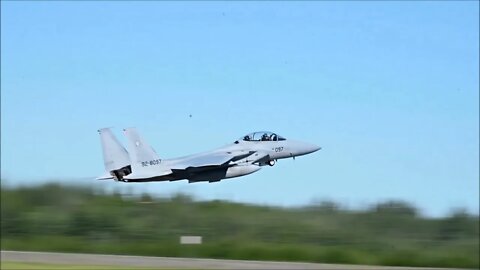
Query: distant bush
x,y
53,217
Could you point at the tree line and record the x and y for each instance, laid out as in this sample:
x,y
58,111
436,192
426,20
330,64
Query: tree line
x,y
54,217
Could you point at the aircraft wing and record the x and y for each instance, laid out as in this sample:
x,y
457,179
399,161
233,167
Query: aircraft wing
x,y
213,167
211,160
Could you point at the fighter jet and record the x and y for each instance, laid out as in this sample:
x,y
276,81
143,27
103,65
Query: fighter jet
x,y
244,156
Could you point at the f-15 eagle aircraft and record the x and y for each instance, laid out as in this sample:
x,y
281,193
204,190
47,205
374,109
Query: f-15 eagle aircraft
x,y
245,156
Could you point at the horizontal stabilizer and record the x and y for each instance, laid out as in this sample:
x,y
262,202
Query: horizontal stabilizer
x,y
104,177
141,175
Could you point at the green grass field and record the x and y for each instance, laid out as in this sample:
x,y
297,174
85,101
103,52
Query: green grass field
x,y
60,218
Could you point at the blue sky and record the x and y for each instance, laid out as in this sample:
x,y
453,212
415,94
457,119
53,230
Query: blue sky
x,y
390,90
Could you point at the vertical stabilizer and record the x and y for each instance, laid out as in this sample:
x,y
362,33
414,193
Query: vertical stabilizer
x,y
140,151
145,161
115,156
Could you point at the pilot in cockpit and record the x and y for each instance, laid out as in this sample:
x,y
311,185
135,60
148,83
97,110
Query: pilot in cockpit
x,y
246,138
265,137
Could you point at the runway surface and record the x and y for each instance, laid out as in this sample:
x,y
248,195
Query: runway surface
x,y
171,263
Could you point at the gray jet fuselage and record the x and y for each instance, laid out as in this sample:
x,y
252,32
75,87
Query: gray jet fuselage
x,y
243,157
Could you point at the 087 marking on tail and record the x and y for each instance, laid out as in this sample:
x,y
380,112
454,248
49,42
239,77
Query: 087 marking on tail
x,y
245,156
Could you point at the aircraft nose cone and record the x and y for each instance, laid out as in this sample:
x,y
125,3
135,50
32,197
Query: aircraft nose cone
x,y
310,148
303,148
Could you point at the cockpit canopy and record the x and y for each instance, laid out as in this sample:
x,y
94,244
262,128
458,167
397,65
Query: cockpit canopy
x,y
262,136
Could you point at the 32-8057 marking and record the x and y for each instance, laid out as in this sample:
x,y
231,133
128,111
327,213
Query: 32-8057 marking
x,y
151,162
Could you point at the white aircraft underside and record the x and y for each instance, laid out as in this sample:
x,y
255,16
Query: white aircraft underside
x,y
245,156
